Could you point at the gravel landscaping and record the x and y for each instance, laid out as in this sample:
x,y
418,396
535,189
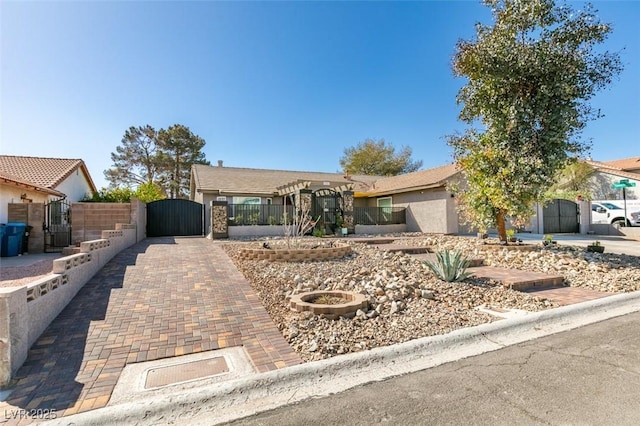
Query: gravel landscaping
x,y
406,301
17,276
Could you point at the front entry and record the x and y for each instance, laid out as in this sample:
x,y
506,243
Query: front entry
x,y
57,225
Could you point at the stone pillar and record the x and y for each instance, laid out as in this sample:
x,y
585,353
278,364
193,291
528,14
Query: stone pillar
x,y
304,200
219,226
347,200
139,218
584,209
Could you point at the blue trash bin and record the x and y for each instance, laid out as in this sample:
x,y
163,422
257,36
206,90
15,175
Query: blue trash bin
x,y
14,232
3,240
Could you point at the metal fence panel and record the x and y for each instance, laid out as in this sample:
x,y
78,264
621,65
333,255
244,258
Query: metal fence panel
x,y
258,214
174,217
379,215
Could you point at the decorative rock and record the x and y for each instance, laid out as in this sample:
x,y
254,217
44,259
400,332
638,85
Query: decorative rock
x,y
421,304
427,294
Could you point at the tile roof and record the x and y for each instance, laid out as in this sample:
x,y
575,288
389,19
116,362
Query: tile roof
x,y
43,172
428,178
236,180
607,168
626,164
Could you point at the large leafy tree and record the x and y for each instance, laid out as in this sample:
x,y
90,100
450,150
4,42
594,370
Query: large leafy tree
x,y
529,79
136,160
377,158
156,161
180,150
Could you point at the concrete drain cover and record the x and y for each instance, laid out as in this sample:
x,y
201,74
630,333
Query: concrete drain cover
x,y
501,312
163,376
169,375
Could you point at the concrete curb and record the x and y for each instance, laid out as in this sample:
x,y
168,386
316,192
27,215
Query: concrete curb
x,y
226,401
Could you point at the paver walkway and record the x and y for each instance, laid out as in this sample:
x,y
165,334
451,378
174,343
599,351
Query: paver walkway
x,y
163,297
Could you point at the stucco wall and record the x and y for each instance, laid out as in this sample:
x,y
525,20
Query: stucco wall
x,y
75,186
602,187
431,211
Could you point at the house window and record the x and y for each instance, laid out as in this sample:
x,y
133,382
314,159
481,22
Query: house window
x,y
385,205
246,210
247,200
384,202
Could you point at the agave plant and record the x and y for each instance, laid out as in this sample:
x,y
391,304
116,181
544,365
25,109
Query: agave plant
x,y
450,266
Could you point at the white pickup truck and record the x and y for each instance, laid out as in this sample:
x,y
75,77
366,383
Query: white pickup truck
x,y
607,212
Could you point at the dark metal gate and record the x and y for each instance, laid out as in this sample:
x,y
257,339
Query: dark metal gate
x,y
56,225
327,206
174,217
561,216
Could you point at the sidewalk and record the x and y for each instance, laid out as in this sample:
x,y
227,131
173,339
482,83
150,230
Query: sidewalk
x,y
163,297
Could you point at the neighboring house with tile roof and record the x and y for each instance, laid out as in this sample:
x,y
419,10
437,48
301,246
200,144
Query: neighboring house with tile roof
x,y
631,165
38,180
609,172
430,207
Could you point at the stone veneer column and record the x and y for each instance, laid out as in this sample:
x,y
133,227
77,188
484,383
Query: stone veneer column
x,y
219,226
304,201
347,200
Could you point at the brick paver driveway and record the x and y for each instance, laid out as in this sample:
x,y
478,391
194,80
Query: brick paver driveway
x,y
163,297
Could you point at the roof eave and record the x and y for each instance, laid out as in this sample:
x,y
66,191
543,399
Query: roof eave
x,y
405,190
32,186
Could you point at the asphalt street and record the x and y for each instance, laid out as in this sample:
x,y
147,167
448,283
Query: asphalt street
x,y
586,376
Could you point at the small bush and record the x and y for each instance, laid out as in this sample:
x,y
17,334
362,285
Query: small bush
x,y
450,266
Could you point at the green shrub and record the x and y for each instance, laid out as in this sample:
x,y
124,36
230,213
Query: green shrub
x,y
146,192
450,266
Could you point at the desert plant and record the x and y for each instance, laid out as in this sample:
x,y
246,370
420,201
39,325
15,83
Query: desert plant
x,y
450,266
318,232
301,223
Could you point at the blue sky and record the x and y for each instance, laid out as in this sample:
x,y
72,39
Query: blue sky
x,y
284,85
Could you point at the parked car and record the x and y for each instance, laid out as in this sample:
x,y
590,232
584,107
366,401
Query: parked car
x,y
603,212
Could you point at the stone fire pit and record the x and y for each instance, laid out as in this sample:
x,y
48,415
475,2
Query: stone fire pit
x,y
339,303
